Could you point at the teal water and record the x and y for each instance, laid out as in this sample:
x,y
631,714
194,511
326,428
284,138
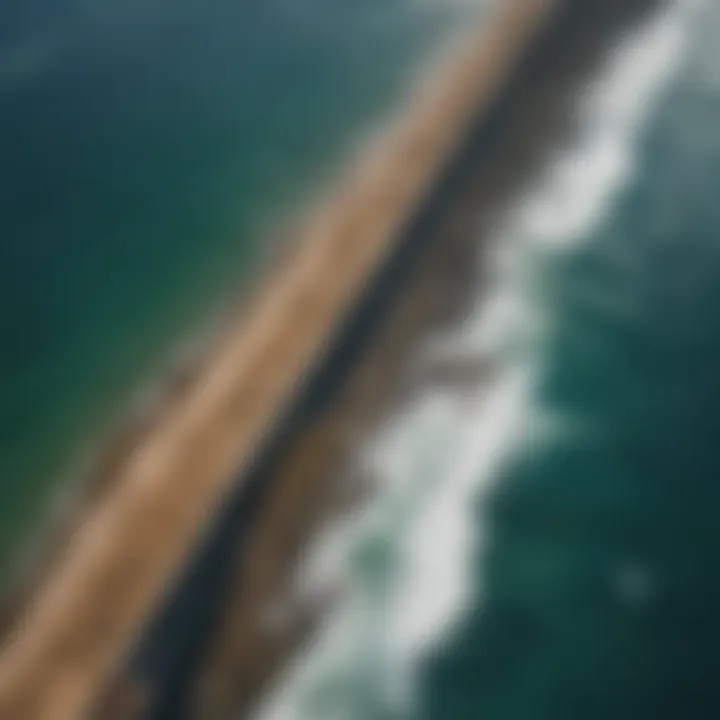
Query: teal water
x,y
547,547
146,150
597,586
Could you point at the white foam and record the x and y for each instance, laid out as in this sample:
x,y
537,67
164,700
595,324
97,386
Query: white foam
x,y
580,187
438,457
567,205
438,543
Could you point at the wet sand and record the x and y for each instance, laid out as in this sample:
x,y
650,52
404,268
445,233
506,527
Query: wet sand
x,y
167,483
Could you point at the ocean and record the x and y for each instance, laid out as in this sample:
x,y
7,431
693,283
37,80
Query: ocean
x,y
543,545
151,152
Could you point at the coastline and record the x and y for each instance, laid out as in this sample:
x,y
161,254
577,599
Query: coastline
x,y
118,501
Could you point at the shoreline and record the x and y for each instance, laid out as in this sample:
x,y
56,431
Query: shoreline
x,y
247,657
71,687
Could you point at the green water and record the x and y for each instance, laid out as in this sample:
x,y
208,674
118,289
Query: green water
x,y
146,152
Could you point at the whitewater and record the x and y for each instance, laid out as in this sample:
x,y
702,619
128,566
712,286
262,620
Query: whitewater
x,y
405,567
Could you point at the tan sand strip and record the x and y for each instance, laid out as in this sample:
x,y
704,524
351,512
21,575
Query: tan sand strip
x,y
129,549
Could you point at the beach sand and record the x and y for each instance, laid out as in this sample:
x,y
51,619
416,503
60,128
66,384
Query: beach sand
x,y
163,487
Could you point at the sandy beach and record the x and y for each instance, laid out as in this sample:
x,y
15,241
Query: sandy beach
x,y
164,487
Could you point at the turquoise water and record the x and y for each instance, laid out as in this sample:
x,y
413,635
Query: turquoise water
x,y
547,547
147,149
